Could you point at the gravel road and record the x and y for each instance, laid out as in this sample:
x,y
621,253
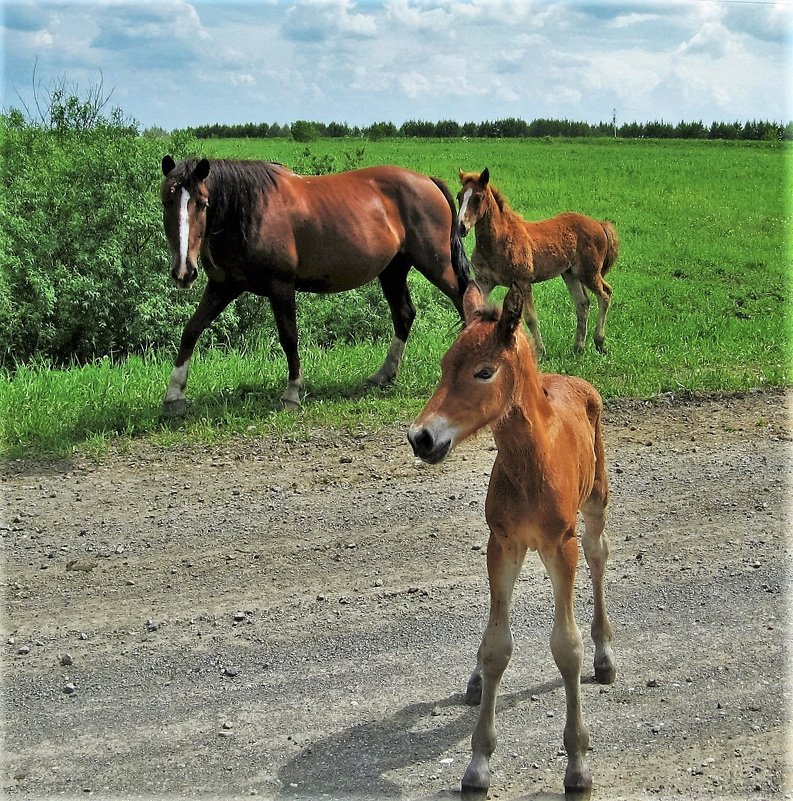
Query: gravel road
x,y
297,620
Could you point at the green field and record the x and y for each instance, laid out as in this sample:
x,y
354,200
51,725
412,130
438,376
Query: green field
x,y
700,296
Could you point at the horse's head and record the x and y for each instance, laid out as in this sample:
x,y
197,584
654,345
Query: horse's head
x,y
472,199
185,199
479,375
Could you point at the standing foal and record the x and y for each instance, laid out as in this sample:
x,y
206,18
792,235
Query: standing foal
x,y
550,465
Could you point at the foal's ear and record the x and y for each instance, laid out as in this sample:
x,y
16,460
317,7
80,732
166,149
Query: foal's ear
x,y
202,170
167,165
511,313
484,177
473,300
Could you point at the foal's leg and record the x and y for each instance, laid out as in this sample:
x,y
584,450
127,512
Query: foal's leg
x,y
567,650
282,301
602,292
530,316
215,298
581,303
393,280
596,551
504,560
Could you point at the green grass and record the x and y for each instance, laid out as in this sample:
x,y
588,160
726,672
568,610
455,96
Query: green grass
x,y
700,300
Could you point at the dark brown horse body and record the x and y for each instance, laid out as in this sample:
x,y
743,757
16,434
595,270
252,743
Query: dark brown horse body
x,y
258,227
509,248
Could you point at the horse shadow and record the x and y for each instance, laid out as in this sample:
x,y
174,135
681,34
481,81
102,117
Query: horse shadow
x,y
355,763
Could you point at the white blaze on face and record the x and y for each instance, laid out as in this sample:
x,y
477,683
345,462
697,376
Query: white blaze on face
x,y
464,205
184,227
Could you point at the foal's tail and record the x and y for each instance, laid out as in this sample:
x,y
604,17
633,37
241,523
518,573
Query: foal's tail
x,y
612,248
463,268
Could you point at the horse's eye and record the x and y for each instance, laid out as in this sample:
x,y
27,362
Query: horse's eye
x,y
485,374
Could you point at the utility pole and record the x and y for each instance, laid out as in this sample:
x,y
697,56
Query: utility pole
x,y
614,121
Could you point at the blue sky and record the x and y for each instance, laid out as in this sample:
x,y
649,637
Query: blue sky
x,y
173,63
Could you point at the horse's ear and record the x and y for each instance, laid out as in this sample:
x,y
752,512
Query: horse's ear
x,y
202,170
484,177
473,300
511,313
462,175
167,165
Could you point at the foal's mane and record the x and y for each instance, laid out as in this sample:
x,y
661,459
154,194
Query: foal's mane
x,y
501,201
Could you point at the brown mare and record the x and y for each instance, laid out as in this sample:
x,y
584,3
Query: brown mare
x,y
550,465
259,227
509,248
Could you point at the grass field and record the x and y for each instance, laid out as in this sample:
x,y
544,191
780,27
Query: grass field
x,y
700,296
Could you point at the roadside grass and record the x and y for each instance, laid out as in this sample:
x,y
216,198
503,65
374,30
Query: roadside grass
x,y
701,302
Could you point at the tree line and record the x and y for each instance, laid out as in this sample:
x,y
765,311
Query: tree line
x,y
512,127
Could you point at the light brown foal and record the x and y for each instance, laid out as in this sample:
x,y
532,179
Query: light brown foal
x,y
550,466
509,248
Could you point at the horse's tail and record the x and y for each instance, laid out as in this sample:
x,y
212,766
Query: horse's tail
x,y
463,268
613,246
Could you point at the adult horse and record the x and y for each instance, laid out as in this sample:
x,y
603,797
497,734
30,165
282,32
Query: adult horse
x,y
509,248
259,227
550,465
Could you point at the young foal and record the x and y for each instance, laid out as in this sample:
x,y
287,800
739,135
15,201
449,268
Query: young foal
x,y
550,465
508,248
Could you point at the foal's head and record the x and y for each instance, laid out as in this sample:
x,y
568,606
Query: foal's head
x,y
479,376
473,199
185,199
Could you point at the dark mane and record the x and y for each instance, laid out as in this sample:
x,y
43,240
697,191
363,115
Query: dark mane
x,y
236,188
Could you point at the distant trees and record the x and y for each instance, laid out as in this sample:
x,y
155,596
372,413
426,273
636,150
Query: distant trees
x,y
509,128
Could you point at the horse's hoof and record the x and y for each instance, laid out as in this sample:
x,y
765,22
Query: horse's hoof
x,y
175,408
379,380
605,673
473,692
577,783
290,405
476,779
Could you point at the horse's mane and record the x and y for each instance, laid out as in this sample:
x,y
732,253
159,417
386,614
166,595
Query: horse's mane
x,y
501,201
235,190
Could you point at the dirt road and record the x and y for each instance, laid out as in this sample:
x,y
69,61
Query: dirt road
x,y
298,620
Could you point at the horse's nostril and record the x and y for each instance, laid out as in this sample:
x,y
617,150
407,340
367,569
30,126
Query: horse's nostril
x,y
423,442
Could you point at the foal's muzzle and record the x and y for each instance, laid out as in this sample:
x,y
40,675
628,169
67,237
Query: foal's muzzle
x,y
462,229
427,446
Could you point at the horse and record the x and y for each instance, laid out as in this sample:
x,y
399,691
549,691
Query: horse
x,y
261,228
509,248
550,465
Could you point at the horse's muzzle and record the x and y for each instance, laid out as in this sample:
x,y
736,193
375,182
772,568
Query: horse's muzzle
x,y
184,279
426,446
462,229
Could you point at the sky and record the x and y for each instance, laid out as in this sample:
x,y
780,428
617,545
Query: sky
x,y
174,64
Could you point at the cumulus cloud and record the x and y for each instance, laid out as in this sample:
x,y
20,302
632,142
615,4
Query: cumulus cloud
x,y
318,20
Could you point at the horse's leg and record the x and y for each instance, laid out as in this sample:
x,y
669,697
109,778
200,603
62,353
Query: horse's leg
x,y
284,306
530,316
596,551
504,560
581,303
567,650
215,298
393,280
602,292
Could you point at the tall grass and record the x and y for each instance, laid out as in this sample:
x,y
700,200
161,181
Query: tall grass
x,y
700,300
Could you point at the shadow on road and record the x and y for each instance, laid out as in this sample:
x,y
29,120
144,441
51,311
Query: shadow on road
x,y
355,763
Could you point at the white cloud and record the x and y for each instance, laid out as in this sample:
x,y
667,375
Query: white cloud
x,y
364,60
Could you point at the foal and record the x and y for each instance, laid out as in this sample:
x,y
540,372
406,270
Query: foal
x,y
550,465
509,248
